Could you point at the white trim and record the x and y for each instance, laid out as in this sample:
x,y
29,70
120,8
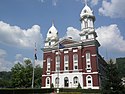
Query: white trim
x,y
48,85
93,55
89,45
94,87
53,51
75,50
79,47
46,75
90,73
83,56
65,52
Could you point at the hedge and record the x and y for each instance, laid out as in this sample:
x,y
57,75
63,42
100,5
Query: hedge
x,y
45,91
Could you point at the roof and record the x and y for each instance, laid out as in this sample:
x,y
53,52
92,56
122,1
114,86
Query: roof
x,y
86,11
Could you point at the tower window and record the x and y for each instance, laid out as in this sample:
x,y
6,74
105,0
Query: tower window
x,y
48,64
49,32
49,43
85,11
86,36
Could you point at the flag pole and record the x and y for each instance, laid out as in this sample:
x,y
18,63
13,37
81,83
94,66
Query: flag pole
x,y
35,58
33,76
58,71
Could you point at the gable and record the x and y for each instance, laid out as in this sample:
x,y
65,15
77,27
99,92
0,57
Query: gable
x,y
66,41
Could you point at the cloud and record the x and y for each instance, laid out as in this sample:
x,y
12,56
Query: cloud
x,y
2,53
15,36
111,38
113,9
4,64
108,36
39,62
74,33
54,2
94,2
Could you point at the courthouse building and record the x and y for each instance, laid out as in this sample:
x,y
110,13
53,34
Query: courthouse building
x,y
67,63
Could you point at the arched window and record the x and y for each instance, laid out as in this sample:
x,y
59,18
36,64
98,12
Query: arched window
x,y
66,82
75,80
57,63
89,82
56,81
88,62
75,61
47,82
66,62
48,64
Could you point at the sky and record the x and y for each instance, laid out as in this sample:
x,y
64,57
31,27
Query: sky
x,y
26,22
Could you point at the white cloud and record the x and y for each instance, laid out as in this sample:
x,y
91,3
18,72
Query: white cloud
x,y
4,64
111,38
15,36
2,53
54,2
39,62
113,9
74,33
108,36
94,2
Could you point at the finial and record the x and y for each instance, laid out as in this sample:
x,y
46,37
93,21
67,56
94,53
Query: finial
x,y
53,23
85,1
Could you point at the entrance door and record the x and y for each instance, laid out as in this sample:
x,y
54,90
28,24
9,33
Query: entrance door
x,y
66,82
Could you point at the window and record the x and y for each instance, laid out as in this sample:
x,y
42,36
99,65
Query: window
x,y
87,56
49,32
57,63
66,82
66,62
75,80
47,80
49,43
57,81
89,81
48,64
88,62
76,67
75,61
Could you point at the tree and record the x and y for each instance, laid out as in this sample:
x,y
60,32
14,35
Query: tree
x,y
38,75
5,79
112,83
22,75
17,75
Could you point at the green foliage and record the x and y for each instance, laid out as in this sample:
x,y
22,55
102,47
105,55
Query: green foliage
x,y
79,86
112,83
37,78
22,75
52,86
5,79
121,66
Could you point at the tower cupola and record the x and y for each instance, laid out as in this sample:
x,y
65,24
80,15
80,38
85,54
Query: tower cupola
x,y
87,18
52,36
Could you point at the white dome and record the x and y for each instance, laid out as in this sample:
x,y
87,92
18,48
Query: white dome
x,y
86,11
52,33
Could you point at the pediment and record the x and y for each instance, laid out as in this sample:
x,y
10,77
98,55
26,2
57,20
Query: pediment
x,y
66,41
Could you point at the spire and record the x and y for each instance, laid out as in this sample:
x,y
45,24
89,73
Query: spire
x,y
85,1
53,23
